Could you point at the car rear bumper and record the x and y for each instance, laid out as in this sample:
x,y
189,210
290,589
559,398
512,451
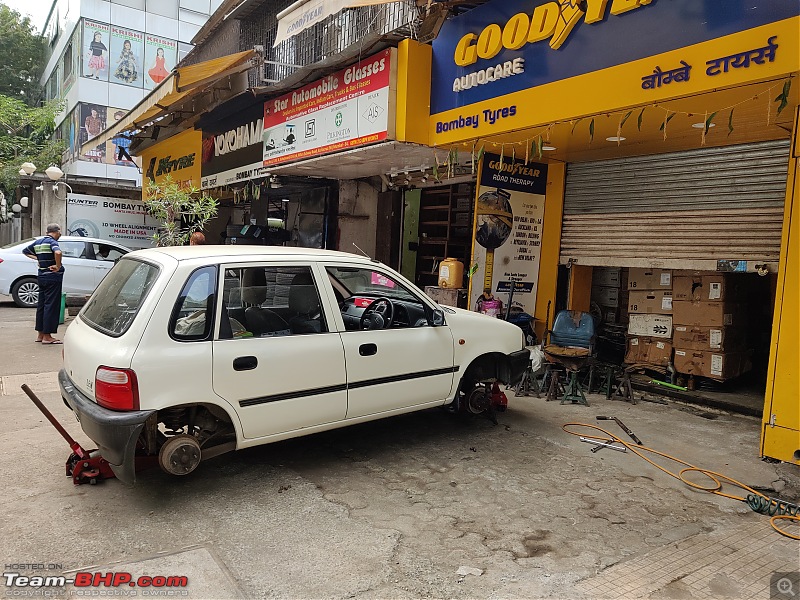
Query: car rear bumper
x,y
518,362
115,433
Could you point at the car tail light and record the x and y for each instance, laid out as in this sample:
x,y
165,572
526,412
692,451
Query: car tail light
x,y
116,389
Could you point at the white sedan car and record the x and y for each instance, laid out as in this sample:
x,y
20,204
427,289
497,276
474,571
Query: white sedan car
x,y
187,352
86,262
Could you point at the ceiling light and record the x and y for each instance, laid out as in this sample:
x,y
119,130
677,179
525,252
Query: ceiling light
x,y
615,138
549,148
701,125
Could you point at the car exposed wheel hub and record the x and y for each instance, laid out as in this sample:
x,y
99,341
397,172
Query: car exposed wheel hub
x,y
180,455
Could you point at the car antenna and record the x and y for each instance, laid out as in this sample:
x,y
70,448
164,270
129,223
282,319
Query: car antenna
x,y
364,253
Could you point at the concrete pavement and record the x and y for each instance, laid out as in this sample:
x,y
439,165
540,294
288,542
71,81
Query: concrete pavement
x,y
395,508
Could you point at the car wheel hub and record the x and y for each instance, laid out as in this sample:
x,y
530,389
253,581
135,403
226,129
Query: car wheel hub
x,y
180,455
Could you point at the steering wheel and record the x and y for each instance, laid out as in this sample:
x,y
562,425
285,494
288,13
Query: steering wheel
x,y
378,315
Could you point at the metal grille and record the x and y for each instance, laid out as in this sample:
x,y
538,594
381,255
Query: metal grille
x,y
323,40
678,210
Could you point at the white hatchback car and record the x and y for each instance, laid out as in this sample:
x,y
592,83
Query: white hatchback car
x,y
84,267
188,352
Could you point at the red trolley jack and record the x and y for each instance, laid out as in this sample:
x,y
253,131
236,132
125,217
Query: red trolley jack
x,y
84,466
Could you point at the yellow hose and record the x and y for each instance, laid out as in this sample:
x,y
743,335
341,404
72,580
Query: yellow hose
x,y
717,478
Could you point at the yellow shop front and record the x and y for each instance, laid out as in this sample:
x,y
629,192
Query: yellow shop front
x,y
665,140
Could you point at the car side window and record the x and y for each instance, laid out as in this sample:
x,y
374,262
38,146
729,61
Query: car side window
x,y
106,252
270,301
362,292
73,249
192,316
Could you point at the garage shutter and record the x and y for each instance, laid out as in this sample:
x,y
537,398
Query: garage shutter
x,y
677,210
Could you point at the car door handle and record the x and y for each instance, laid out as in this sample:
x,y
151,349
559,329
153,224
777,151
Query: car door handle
x,y
245,363
367,349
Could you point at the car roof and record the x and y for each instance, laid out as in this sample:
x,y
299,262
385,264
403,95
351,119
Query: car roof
x,y
234,251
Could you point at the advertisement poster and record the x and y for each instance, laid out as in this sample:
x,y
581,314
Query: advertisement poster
x,y
91,122
346,109
160,56
508,231
95,61
113,156
116,219
125,56
233,149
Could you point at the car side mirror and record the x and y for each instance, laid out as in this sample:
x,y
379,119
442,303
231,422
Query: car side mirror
x,y
436,318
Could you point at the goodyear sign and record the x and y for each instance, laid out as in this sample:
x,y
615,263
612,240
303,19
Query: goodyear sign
x,y
587,56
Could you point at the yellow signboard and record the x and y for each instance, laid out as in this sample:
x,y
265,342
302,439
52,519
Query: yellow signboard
x,y
177,157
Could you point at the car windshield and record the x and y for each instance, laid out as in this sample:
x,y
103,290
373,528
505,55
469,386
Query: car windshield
x,y
118,298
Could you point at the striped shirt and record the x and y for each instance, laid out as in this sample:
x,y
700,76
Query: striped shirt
x,y
44,249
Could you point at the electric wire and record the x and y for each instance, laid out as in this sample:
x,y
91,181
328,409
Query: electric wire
x,y
779,510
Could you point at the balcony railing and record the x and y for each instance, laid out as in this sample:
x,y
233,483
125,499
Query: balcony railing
x,y
346,30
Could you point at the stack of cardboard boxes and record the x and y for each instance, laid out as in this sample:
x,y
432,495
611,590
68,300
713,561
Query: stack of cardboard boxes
x,y
609,291
710,334
650,317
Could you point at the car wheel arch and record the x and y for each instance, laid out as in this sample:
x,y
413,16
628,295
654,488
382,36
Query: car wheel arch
x,y
489,366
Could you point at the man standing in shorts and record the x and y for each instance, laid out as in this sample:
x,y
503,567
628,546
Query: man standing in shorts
x,y
51,276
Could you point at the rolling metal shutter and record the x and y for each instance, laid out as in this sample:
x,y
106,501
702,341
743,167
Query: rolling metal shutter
x,y
683,210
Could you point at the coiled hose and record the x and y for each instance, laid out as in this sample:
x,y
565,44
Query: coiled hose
x,y
758,502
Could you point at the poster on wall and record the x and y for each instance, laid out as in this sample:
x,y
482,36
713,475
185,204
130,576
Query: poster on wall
x,y
160,57
232,149
125,56
113,154
117,219
95,57
91,122
346,109
508,231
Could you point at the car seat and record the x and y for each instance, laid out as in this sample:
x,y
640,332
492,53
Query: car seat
x,y
304,305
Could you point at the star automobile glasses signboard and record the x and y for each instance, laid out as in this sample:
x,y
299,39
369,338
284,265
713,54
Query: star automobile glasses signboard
x,y
346,109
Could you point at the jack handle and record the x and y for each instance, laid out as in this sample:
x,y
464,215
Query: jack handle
x,y
622,425
75,446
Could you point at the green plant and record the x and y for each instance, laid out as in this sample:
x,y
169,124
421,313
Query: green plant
x,y
174,203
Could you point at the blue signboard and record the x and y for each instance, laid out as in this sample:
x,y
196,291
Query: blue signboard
x,y
603,37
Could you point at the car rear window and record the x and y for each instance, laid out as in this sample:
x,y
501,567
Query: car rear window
x,y
116,301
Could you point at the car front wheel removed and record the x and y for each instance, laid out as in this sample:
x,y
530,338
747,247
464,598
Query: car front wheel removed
x,y
25,292
180,454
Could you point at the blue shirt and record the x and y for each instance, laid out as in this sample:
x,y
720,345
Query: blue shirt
x,y
44,250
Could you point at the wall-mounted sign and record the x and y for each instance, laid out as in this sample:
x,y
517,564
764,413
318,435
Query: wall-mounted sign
x,y
503,47
508,230
348,108
120,220
95,50
160,56
177,157
126,55
233,148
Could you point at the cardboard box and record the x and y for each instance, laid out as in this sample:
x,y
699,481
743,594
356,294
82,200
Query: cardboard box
x,y
636,349
716,287
715,365
699,337
650,302
659,326
606,296
647,350
659,352
705,314
649,279
608,277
